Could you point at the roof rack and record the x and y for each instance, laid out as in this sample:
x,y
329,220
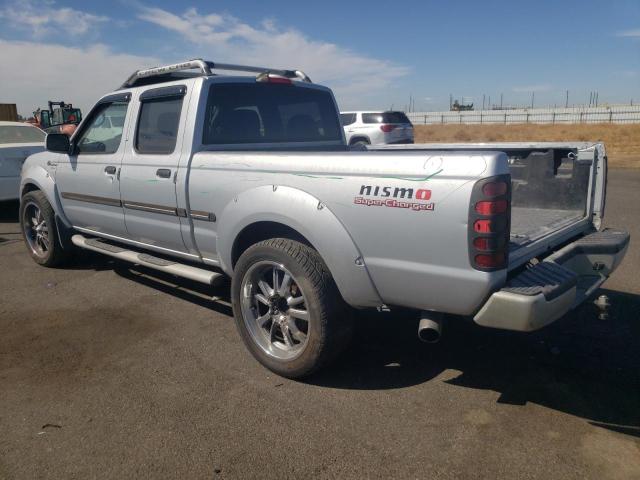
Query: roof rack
x,y
206,68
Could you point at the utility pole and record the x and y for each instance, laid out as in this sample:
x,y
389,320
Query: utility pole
x,y
450,101
566,103
501,101
483,101
533,96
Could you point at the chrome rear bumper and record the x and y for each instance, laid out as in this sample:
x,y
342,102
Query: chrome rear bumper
x,y
545,292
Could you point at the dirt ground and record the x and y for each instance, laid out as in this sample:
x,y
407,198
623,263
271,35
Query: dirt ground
x,y
112,371
622,140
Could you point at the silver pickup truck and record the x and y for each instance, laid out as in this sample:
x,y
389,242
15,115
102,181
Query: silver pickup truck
x,y
201,175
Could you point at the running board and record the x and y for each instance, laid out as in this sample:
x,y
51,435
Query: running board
x,y
168,266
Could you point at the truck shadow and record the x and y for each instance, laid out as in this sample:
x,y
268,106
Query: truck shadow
x,y
579,365
9,211
9,219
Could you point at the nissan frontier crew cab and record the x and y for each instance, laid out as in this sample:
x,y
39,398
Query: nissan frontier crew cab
x,y
200,175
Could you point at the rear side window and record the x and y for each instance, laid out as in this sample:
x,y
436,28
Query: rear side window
x,y
385,117
269,113
158,123
347,118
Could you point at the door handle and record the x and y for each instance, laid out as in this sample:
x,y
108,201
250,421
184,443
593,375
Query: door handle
x,y
163,173
110,170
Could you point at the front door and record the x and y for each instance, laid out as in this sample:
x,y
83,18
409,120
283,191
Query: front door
x,y
87,180
147,180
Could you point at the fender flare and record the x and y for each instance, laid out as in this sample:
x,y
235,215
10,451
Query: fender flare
x,y
313,220
39,177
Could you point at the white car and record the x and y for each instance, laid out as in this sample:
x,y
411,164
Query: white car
x,y
17,142
365,128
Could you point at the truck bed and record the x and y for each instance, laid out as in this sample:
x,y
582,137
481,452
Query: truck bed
x,y
530,222
551,183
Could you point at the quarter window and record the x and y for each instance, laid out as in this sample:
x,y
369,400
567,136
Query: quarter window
x,y
347,118
158,123
104,133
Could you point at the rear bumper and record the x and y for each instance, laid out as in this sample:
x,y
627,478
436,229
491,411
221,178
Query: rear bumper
x,y
542,294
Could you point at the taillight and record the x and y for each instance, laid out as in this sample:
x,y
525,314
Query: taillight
x,y
489,223
387,128
494,189
491,207
482,226
493,261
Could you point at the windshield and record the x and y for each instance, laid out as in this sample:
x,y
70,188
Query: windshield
x,y
269,113
385,117
21,134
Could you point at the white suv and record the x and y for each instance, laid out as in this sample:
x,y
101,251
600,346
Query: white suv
x,y
376,127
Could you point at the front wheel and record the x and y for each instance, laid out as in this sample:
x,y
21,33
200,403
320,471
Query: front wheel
x,y
287,307
38,225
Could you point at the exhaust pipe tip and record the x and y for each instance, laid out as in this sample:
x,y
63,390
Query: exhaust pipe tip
x,y
430,327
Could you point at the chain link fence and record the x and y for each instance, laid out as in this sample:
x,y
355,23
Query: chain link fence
x,y
612,114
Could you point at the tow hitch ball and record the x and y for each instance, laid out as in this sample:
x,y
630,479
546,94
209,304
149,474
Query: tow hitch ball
x,y
603,304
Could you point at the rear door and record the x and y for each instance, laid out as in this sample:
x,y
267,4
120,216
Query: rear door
x,y
87,180
147,179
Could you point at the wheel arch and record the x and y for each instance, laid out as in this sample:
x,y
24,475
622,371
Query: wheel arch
x,y
358,138
37,178
268,212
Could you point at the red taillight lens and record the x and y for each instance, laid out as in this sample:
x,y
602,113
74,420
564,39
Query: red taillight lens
x,y
494,189
490,261
483,226
483,243
387,128
491,208
488,227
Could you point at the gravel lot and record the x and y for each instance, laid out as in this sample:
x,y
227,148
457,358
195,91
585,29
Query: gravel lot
x,y
110,371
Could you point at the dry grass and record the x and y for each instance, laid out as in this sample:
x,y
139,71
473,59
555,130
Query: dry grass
x,y
622,141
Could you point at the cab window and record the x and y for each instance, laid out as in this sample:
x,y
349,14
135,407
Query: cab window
x,y
104,133
158,124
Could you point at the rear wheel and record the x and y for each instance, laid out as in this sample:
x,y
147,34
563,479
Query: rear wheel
x,y
287,307
38,225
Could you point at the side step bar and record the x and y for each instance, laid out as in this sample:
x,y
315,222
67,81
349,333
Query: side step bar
x,y
196,274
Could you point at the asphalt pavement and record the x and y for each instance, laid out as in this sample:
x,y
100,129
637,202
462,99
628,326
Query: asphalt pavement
x,y
111,371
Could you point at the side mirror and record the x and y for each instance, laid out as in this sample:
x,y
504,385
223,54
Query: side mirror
x,y
57,142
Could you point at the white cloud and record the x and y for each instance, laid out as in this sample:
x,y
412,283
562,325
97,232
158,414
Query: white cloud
x,y
354,77
629,33
45,18
532,88
33,73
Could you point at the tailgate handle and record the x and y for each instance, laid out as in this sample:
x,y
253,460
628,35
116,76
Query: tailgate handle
x,y
163,173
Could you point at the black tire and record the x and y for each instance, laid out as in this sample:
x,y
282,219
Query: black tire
x,y
331,323
55,255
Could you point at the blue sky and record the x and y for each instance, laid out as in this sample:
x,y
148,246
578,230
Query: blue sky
x,y
373,54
